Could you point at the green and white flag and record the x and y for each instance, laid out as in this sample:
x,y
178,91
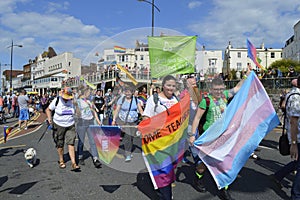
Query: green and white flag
x,y
171,55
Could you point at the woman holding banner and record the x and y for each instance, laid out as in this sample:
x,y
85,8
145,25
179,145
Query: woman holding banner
x,y
159,103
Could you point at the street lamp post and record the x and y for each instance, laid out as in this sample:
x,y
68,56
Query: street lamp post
x,y
153,6
11,60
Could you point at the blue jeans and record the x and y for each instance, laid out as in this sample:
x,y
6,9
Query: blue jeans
x,y
296,183
82,129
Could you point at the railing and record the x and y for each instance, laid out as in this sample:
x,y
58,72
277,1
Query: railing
x,y
145,77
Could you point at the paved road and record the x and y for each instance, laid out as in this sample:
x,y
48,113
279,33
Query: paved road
x,y
123,180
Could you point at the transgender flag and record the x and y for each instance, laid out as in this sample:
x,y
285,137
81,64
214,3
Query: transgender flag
x,y
252,54
226,146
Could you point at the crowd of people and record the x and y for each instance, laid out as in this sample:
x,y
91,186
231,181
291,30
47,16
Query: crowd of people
x,y
71,112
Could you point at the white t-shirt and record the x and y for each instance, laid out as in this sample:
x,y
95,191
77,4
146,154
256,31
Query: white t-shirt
x,y
85,108
64,112
150,105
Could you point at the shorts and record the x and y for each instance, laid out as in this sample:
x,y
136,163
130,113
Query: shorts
x,y
1,108
24,114
62,135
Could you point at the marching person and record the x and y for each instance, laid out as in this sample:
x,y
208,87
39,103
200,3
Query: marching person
x,y
63,124
166,99
126,115
218,99
86,115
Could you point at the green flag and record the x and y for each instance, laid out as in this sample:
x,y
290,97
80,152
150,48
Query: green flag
x,y
171,55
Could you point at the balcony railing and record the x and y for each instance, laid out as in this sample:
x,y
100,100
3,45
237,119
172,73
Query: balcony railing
x,y
145,77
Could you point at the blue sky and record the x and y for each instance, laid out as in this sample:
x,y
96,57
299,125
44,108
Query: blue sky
x,y
88,26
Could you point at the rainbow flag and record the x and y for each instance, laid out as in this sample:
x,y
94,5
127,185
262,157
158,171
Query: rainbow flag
x,y
226,146
252,54
127,74
118,49
6,131
143,98
107,140
163,142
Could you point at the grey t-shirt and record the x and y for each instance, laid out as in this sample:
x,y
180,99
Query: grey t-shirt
x,y
23,101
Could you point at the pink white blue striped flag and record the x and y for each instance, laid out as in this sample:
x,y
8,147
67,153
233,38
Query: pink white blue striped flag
x,y
226,146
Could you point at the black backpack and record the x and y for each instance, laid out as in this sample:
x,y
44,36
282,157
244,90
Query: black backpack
x,y
156,99
203,118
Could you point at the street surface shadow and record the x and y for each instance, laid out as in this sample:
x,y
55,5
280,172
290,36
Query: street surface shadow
x,y
110,188
248,175
144,184
22,188
269,143
3,179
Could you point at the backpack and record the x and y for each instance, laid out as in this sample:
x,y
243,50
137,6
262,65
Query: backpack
x,y
203,118
156,99
53,111
136,102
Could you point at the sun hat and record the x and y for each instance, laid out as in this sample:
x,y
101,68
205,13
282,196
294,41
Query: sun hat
x,y
67,93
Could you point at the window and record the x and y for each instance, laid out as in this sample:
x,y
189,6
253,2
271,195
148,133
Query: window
x,y
142,57
272,55
238,66
239,54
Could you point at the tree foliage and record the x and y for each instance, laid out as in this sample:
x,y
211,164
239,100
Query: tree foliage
x,y
284,65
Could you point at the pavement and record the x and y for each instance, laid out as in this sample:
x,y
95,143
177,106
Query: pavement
x,y
120,180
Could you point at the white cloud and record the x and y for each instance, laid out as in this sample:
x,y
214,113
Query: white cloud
x,y
261,21
194,4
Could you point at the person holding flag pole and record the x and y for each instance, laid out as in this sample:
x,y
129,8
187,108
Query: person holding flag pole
x,y
218,98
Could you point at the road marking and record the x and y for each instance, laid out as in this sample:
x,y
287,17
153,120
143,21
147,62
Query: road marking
x,y
16,131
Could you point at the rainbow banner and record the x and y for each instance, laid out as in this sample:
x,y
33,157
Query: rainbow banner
x,y
252,54
118,49
226,146
127,74
107,140
7,130
163,142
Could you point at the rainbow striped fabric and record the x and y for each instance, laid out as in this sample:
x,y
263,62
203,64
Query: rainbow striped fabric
x,y
163,142
118,49
7,130
107,140
227,145
252,54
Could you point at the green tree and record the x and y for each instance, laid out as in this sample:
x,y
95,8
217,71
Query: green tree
x,y
284,64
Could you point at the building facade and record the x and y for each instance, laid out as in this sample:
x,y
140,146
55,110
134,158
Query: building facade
x,y
237,58
291,49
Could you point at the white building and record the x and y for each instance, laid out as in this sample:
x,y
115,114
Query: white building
x,y
48,73
291,49
208,61
237,58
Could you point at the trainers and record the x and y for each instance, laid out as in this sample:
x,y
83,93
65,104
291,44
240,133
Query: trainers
x,y
97,163
199,186
81,161
25,128
224,194
19,128
275,182
128,158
